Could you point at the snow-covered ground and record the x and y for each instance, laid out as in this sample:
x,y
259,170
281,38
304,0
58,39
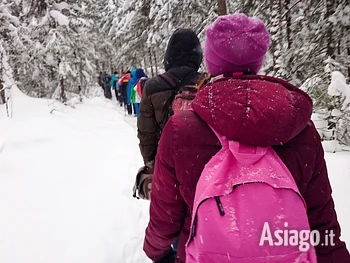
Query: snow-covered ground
x,y
66,182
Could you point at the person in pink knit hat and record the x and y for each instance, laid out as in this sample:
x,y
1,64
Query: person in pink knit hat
x,y
251,109
236,43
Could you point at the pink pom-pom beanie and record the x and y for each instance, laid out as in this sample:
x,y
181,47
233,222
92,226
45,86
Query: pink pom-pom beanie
x,y
235,43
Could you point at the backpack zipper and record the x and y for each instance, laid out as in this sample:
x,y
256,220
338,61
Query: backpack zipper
x,y
194,227
221,209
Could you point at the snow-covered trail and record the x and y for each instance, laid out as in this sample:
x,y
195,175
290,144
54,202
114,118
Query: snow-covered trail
x,y
66,184
338,165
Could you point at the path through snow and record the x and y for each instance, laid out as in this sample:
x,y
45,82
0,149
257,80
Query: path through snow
x,y
66,184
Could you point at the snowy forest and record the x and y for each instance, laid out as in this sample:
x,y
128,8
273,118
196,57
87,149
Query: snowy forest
x,y
50,48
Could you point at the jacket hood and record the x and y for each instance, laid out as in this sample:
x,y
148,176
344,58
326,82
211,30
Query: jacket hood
x,y
140,73
254,110
133,73
183,49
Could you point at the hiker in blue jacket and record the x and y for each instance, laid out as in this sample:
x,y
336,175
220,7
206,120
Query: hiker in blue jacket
x,y
114,81
136,75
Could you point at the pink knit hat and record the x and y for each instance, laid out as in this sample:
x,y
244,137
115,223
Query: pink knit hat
x,y
235,43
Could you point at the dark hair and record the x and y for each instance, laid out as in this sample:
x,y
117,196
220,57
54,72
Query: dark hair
x,y
115,72
128,72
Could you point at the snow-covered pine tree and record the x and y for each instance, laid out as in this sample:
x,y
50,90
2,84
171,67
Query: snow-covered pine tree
x,y
10,26
277,50
339,117
58,54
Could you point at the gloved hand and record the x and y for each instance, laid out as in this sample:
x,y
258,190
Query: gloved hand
x,y
169,258
143,182
149,167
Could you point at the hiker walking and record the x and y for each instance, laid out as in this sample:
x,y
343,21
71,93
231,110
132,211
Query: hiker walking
x,y
106,85
182,60
130,93
139,88
123,84
114,82
136,75
99,80
238,118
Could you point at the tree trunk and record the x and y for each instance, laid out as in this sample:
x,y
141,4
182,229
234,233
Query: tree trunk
x,y
150,59
222,8
82,82
61,83
155,62
145,63
348,49
2,90
110,66
248,7
289,23
63,97
331,47
98,65
276,36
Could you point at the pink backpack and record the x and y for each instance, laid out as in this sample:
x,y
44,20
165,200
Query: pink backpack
x,y
243,194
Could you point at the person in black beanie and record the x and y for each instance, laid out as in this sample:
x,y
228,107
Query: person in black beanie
x,y
183,49
182,60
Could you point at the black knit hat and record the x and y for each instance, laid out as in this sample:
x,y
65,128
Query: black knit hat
x,y
184,49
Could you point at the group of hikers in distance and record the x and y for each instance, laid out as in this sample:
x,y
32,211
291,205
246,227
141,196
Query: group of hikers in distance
x,y
229,153
128,88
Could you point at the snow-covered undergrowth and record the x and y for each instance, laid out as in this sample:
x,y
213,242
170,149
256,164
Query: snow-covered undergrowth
x,y
339,174
66,179
66,184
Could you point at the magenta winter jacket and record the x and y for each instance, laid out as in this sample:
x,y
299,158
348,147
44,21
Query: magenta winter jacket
x,y
256,110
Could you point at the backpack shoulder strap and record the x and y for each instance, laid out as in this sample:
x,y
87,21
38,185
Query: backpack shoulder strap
x,y
167,110
170,80
202,80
